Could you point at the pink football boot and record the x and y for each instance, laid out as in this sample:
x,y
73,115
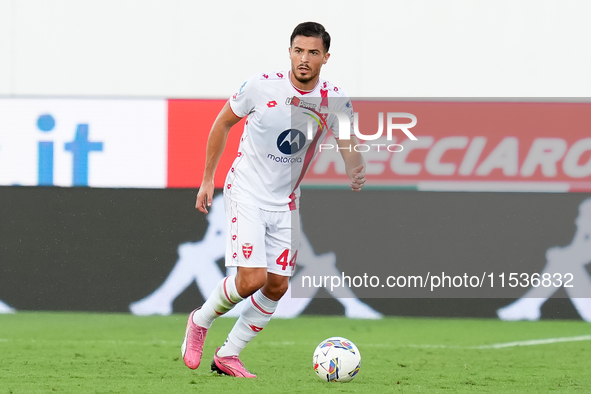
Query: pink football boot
x,y
192,347
230,366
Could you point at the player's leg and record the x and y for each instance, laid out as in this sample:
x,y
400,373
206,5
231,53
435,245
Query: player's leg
x,y
282,240
245,231
224,297
232,288
257,312
282,235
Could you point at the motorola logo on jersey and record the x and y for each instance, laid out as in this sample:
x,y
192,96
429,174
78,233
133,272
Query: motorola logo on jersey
x,y
291,141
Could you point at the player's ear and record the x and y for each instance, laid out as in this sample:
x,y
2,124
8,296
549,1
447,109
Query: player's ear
x,y
326,56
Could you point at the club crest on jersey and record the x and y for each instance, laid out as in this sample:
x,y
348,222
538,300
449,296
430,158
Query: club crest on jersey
x,y
291,141
247,250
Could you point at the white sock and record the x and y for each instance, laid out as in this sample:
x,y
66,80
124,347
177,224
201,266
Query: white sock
x,y
224,297
254,317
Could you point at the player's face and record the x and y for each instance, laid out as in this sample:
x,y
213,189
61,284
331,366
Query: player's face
x,y
307,57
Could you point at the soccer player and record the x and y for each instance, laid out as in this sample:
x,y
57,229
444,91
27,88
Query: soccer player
x,y
287,117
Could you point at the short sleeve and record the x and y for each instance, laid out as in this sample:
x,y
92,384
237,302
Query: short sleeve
x,y
244,100
343,105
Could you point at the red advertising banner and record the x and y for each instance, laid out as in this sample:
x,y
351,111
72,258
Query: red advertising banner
x,y
189,123
472,146
495,146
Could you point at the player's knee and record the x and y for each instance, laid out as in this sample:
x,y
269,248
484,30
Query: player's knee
x,y
248,284
275,289
279,290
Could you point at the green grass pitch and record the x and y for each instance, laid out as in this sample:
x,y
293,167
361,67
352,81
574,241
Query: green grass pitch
x,y
120,353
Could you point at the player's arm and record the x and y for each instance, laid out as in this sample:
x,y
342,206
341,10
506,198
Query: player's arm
x,y
216,143
354,162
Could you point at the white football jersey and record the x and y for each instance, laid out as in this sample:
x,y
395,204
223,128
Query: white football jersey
x,y
283,129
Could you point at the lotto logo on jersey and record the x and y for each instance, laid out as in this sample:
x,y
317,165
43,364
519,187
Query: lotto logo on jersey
x,y
247,250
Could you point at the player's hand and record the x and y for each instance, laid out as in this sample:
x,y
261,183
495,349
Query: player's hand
x,y
358,178
204,196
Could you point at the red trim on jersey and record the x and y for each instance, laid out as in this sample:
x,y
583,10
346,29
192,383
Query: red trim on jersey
x,y
292,204
258,307
230,105
312,148
231,174
226,293
302,92
219,313
324,95
309,156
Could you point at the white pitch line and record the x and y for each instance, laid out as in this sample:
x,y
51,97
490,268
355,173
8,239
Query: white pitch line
x,y
435,346
534,342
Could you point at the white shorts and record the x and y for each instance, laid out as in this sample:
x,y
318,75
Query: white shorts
x,y
262,239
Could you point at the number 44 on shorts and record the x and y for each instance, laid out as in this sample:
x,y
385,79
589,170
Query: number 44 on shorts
x,y
283,257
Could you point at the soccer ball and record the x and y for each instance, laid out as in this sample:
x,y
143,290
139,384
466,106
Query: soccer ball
x,y
336,359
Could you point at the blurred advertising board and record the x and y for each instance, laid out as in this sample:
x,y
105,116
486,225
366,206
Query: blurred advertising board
x,y
459,146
